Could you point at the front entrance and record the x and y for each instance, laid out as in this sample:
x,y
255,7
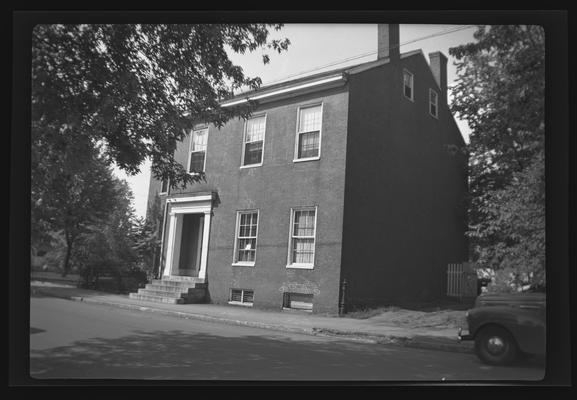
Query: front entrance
x,y
188,234
190,245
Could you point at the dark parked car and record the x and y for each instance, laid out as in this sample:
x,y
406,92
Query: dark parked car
x,y
506,325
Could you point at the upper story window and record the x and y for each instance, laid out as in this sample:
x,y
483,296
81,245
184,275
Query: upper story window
x,y
253,141
164,186
433,103
246,235
197,151
408,84
308,142
302,238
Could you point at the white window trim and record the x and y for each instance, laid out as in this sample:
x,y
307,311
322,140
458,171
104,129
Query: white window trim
x,y
296,149
436,103
242,166
236,263
290,264
412,98
190,151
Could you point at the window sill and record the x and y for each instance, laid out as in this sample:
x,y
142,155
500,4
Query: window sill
x,y
238,303
250,166
243,264
301,266
306,159
297,310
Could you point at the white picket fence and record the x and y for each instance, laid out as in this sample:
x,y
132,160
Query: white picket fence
x,y
461,280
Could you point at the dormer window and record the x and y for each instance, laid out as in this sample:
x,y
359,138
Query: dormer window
x,y
408,84
433,103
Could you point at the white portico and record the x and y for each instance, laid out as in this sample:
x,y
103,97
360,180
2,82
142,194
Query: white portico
x,y
188,235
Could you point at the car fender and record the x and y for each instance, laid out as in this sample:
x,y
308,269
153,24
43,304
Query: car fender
x,y
526,325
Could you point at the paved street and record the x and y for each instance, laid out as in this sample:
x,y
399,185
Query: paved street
x,y
78,340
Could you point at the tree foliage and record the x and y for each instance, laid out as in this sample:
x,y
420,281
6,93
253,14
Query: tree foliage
x,y
135,89
72,189
107,246
500,92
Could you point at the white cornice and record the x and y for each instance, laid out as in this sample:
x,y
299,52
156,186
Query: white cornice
x,y
281,92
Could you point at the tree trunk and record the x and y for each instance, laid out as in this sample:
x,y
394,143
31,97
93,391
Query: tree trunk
x,y
66,264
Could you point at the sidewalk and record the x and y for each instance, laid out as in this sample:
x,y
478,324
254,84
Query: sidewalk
x,y
370,330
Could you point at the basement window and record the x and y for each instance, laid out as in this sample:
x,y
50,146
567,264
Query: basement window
x,y
408,84
241,297
298,301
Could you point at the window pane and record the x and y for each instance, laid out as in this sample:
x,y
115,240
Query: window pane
x,y
199,139
247,296
164,186
310,119
196,162
255,128
408,84
253,153
304,223
303,251
308,144
235,295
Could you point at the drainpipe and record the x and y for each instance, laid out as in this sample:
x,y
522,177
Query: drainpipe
x,y
343,299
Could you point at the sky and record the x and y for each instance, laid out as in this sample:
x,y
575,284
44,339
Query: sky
x,y
322,47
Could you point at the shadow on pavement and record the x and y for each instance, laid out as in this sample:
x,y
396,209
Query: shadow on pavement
x,y
64,292
180,355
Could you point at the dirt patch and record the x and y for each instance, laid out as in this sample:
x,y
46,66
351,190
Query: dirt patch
x,y
442,314
421,319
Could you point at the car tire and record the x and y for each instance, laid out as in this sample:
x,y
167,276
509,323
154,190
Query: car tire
x,y
495,346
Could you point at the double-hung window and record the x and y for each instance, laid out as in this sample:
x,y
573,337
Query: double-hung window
x,y
433,103
253,142
246,235
408,84
308,142
164,186
302,238
197,151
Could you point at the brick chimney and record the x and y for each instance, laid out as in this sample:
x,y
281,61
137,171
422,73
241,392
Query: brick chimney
x,y
388,41
438,62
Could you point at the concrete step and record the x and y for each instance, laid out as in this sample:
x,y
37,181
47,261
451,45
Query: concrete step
x,y
161,293
176,288
181,279
167,282
156,299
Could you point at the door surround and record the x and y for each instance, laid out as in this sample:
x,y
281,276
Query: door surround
x,y
200,204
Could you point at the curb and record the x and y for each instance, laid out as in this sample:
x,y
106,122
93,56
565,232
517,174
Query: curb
x,y
421,342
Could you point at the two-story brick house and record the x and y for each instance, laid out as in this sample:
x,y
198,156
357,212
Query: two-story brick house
x,y
343,175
